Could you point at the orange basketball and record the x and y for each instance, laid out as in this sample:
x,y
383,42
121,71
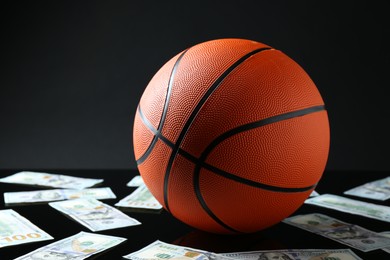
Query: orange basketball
x,y
231,136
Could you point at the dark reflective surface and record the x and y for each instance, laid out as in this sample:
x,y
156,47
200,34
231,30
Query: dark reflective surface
x,y
162,226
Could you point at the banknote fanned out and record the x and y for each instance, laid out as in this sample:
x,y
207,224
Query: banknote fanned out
x,y
42,196
140,198
296,254
376,190
136,181
43,179
94,214
342,232
386,234
161,250
365,209
16,229
77,247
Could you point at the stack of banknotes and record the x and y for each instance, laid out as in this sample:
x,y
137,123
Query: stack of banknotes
x,y
79,199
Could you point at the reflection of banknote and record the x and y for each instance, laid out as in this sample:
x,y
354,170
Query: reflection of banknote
x,y
357,207
94,214
135,181
314,194
345,233
140,198
16,229
27,197
161,250
50,180
377,190
76,247
296,254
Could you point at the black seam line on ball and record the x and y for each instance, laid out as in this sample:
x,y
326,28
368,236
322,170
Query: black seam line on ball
x,y
157,131
250,126
218,140
201,161
256,124
187,125
157,134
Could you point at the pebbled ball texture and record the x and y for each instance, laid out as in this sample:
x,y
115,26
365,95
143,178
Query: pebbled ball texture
x,y
231,136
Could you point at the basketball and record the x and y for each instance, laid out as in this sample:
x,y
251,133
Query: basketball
x,y
231,136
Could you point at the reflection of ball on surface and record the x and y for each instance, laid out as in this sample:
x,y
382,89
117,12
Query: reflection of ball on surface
x,y
231,136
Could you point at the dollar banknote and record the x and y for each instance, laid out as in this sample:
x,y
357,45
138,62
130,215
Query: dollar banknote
x,y
140,198
386,234
136,181
296,254
16,229
40,196
369,210
94,214
342,232
314,194
50,180
161,250
76,247
376,190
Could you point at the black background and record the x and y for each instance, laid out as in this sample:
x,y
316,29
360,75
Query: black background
x,y
73,71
